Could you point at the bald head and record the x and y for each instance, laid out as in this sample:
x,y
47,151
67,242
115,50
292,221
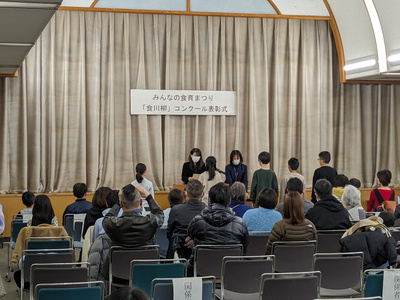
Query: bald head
x,y
130,197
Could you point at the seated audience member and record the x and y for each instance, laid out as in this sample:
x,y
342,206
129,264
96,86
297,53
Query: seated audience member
x,y
294,226
81,205
217,224
381,194
387,217
236,170
175,197
295,185
373,238
239,197
355,182
127,293
111,199
339,183
264,216
327,213
99,203
180,217
42,212
324,172
263,178
293,165
194,165
28,199
210,177
351,200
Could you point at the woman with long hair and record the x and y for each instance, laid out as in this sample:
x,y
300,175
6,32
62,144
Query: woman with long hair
x,y
42,212
211,176
294,226
194,165
141,172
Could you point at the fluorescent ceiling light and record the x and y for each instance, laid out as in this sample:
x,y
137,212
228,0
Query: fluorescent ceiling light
x,y
394,57
27,5
360,65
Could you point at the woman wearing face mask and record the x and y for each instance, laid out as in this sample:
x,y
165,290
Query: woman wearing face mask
x,y
236,170
194,165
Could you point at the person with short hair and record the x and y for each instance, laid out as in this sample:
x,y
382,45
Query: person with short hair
x,y
381,194
265,216
263,178
352,202
355,182
239,196
180,217
210,177
217,223
325,171
340,182
127,293
294,226
175,197
28,199
387,217
293,165
236,170
295,185
81,205
194,165
328,213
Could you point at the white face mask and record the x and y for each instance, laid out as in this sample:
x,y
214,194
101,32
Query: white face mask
x,y
236,162
196,158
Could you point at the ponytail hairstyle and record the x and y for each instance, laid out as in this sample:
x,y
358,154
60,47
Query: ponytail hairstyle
x,y
140,169
211,167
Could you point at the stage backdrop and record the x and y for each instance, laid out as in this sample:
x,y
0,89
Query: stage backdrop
x,y
66,118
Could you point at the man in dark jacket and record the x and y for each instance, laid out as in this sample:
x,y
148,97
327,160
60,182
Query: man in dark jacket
x,y
180,217
327,213
217,223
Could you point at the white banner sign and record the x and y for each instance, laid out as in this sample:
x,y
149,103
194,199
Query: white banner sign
x,y
391,284
180,102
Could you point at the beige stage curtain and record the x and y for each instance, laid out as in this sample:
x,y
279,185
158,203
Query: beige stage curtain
x,y
66,119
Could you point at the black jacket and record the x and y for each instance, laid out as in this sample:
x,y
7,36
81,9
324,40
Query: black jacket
x,y
326,172
218,225
132,229
188,171
329,213
91,217
377,247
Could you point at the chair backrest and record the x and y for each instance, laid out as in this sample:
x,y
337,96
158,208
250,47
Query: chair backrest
x,y
162,241
395,231
58,272
89,290
329,240
162,288
16,226
257,242
143,271
73,224
120,258
373,282
249,269
340,271
58,242
208,258
293,256
292,285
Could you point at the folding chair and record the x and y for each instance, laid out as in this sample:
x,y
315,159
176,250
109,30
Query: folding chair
x,y
31,257
249,269
143,271
119,263
293,256
58,242
208,258
329,240
58,272
257,242
163,289
16,226
291,285
342,273
89,290
73,224
162,241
